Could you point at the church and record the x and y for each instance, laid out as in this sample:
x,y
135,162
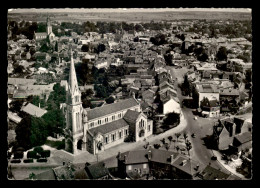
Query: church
x,y
95,130
45,35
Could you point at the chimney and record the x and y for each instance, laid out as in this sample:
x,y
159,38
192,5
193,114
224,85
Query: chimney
x,y
172,159
149,155
184,162
119,155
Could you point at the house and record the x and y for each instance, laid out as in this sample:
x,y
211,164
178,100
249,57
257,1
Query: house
x,y
222,135
65,172
170,104
242,141
210,91
235,133
14,117
211,173
33,110
156,162
97,171
210,108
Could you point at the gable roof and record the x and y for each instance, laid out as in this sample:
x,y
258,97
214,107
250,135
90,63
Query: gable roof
x,y
33,110
109,127
96,171
210,173
244,137
137,156
162,156
131,116
111,108
64,172
188,166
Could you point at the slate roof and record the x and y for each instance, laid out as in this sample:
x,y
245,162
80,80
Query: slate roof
x,y
17,81
228,92
81,174
208,88
47,175
244,137
109,127
189,167
97,170
64,173
33,110
131,116
111,108
210,173
137,156
162,156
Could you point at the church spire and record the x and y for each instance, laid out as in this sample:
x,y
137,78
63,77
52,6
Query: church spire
x,y
73,83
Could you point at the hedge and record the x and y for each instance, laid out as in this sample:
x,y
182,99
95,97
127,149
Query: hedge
x,y
18,155
38,149
41,160
32,154
16,161
45,153
28,160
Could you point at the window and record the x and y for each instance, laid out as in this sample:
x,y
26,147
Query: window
x,y
113,137
126,132
119,115
149,127
120,134
106,139
99,122
92,124
113,117
106,119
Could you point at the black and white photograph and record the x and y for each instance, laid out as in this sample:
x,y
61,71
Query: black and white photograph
x,y
129,94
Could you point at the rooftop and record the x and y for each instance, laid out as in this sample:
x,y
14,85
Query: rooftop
x,y
33,110
111,108
109,127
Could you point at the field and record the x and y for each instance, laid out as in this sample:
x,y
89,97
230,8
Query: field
x,y
133,17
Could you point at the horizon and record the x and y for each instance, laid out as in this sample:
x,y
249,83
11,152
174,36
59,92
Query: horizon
x,y
125,10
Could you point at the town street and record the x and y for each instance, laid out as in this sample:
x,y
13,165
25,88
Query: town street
x,y
199,151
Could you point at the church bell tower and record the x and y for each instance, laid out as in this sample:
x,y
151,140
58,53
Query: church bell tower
x,y
74,111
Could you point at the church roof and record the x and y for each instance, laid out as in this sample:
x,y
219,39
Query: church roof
x,y
41,34
131,116
109,127
73,83
111,108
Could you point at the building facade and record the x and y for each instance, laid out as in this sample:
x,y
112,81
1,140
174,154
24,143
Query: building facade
x,y
95,130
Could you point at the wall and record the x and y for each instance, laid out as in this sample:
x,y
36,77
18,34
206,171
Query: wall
x,y
171,106
138,167
208,95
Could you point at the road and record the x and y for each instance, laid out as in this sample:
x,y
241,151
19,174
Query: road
x,y
201,127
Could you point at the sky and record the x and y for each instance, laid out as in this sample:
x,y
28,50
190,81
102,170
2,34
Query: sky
x,y
129,10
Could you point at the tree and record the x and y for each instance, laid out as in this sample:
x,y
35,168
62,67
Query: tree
x,y
23,132
55,121
56,48
170,139
177,135
177,148
203,57
39,132
188,147
172,119
32,176
221,54
185,136
156,146
110,100
85,48
86,103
